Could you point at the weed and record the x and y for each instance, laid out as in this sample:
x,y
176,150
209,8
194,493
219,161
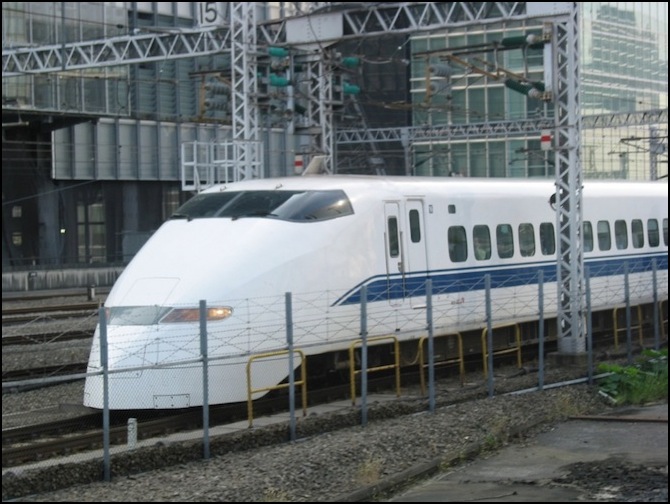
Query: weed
x,y
370,471
275,495
563,407
643,382
491,442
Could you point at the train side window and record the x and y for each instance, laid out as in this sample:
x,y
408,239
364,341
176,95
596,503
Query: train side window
x,y
526,240
548,238
621,234
637,233
588,236
414,226
481,238
652,232
505,241
665,232
458,245
604,236
394,241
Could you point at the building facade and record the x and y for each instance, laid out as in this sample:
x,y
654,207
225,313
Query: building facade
x,y
96,158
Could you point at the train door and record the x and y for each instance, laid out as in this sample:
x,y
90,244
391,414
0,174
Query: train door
x,y
416,263
395,274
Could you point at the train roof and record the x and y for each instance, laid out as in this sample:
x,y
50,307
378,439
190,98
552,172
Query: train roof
x,y
417,186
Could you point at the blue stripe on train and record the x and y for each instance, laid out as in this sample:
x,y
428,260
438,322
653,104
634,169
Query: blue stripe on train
x,y
381,287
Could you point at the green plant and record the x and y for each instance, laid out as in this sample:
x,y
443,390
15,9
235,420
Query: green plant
x,y
645,381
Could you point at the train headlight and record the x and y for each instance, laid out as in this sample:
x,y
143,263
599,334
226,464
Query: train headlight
x,y
214,313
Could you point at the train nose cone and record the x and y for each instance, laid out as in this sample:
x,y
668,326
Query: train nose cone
x,y
143,291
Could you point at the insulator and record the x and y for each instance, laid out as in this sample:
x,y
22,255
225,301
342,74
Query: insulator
x,y
440,70
214,87
277,81
278,52
218,103
539,86
351,89
351,62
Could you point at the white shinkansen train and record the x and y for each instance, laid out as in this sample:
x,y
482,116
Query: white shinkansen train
x,y
242,247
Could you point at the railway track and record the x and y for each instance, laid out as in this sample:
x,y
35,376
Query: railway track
x,y
43,372
24,314
40,442
47,337
55,438
30,310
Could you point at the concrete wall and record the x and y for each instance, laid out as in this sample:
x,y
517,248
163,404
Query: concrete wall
x,y
59,279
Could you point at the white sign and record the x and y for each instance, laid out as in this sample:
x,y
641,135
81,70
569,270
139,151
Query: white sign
x,y
211,13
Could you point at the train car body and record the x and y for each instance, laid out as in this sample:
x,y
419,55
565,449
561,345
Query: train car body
x,y
320,241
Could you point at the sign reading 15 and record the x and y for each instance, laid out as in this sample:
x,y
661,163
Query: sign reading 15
x,y
209,13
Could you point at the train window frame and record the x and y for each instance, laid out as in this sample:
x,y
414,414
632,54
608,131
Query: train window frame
x,y
604,235
588,236
653,235
526,239
505,246
621,234
393,236
637,233
481,242
547,238
457,242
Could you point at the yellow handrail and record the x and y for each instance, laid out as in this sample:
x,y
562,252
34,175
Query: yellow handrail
x,y
352,365
517,349
302,382
459,359
617,330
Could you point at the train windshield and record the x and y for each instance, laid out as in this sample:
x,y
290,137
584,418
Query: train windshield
x,y
295,206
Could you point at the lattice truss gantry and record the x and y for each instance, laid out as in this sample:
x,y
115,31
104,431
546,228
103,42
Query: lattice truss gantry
x,y
241,36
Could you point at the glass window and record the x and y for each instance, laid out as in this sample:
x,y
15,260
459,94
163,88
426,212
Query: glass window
x,y
414,226
505,241
637,233
478,163
588,236
652,233
476,104
481,238
526,240
604,236
497,164
458,246
496,104
394,242
621,234
547,238
297,206
665,232
91,236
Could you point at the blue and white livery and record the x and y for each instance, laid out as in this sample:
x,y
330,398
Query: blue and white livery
x,y
242,247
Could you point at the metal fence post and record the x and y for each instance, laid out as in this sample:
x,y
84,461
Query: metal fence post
x,y
431,346
291,369
205,378
364,355
106,463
